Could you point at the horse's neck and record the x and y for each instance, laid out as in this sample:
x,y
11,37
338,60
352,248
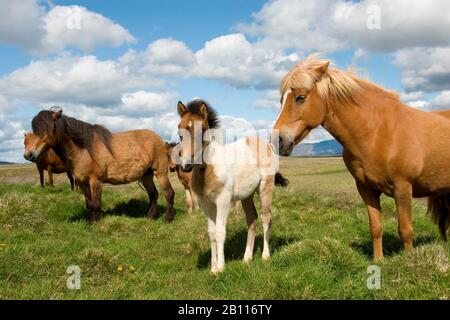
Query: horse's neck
x,y
66,150
197,182
199,171
353,125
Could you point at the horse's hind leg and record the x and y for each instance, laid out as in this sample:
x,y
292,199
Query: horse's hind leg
x,y
251,216
403,201
164,182
149,185
265,193
372,200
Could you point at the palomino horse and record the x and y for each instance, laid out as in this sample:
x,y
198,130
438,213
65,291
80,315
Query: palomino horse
x,y
96,156
389,147
218,180
184,177
48,161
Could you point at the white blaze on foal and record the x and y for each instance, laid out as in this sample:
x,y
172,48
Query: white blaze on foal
x,y
228,173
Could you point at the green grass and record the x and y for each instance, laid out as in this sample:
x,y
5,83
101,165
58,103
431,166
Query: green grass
x,y
320,245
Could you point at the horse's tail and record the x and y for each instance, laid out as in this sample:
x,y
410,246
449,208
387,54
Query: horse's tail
x,y
280,181
439,207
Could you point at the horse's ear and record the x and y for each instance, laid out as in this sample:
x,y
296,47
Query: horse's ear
x,y
56,115
320,70
204,111
181,108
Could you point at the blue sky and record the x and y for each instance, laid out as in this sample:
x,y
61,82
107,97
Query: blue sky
x,y
130,61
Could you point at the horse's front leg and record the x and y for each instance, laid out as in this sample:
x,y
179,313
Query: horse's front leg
x,y
72,182
164,182
213,242
372,200
50,175
86,188
223,208
41,177
403,201
210,211
96,200
194,199
189,202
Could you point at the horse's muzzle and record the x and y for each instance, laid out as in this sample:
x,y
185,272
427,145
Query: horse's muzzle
x,y
30,157
285,146
187,167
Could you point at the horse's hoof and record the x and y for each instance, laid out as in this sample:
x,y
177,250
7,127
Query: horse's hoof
x,y
220,269
378,259
266,257
217,271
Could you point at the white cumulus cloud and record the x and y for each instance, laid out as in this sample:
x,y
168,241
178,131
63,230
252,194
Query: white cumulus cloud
x,y
424,69
232,59
144,103
27,24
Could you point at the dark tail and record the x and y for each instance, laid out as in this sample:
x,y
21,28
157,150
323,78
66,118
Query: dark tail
x,y
280,181
439,207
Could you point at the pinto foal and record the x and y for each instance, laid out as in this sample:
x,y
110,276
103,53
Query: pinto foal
x,y
218,183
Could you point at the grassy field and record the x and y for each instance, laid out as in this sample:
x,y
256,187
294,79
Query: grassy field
x,y
320,244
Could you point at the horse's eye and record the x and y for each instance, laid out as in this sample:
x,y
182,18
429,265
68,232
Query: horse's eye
x,y
181,138
300,99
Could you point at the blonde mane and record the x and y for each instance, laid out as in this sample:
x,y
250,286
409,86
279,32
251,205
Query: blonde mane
x,y
333,84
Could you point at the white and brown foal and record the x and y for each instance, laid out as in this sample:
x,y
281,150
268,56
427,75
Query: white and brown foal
x,y
223,173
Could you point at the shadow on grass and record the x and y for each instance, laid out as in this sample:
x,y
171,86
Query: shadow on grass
x,y
235,247
392,244
134,208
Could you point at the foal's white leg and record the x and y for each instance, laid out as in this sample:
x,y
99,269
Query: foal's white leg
x,y
212,239
223,208
210,212
265,193
251,217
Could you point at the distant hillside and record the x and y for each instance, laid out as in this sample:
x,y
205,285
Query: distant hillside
x,y
323,148
5,162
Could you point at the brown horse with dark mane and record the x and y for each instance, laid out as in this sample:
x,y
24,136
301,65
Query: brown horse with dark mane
x,y
48,161
96,156
389,147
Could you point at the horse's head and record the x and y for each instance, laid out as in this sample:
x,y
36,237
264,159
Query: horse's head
x,y
195,119
44,134
171,153
301,107
31,142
